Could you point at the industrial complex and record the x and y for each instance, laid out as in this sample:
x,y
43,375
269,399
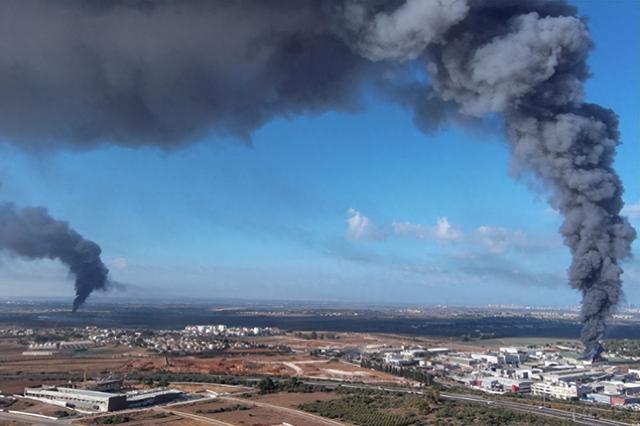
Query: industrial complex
x,y
78,398
97,401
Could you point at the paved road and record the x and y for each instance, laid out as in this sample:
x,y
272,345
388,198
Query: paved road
x,y
578,418
302,414
30,420
203,419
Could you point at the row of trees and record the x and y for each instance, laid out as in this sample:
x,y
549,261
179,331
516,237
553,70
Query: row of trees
x,y
314,335
411,372
293,384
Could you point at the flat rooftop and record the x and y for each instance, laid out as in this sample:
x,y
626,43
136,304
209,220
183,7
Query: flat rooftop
x,y
61,391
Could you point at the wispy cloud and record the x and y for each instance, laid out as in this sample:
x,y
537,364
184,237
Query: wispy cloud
x,y
443,231
499,240
360,227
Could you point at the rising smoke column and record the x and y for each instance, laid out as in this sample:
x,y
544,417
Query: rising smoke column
x,y
32,234
165,73
532,73
527,62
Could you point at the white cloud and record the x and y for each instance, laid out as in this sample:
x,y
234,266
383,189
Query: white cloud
x,y
632,211
360,227
498,240
485,238
442,231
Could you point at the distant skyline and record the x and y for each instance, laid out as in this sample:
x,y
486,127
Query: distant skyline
x,y
356,207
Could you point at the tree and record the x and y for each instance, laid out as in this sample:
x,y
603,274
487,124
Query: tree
x,y
266,385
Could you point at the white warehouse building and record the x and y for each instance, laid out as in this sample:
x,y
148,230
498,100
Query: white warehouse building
x,y
78,398
559,390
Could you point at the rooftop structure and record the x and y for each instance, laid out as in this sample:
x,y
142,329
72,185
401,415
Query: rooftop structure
x,y
559,390
151,397
573,375
78,398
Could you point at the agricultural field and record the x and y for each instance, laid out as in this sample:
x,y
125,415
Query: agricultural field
x,y
141,418
248,412
373,408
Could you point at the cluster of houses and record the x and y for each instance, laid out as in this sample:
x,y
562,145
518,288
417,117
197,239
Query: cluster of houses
x,y
192,339
224,331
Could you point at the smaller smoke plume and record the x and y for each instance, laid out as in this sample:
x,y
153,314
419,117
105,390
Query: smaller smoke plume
x,y
33,234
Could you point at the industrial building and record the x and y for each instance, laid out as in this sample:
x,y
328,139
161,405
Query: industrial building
x,y
573,375
144,398
78,398
618,387
559,390
502,384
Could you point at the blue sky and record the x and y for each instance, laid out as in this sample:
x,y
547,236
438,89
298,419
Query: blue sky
x,y
348,207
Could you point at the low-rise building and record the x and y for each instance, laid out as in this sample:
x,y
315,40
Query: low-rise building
x,y
622,400
144,398
560,390
438,351
573,375
460,360
515,385
486,358
601,398
621,388
502,384
78,398
398,361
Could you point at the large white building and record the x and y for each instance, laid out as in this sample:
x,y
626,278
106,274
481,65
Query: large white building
x,y
78,398
558,390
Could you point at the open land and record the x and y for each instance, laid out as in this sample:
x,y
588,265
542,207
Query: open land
x,y
366,367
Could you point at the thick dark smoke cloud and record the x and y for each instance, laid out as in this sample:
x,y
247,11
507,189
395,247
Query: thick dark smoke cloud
x,y
165,73
33,234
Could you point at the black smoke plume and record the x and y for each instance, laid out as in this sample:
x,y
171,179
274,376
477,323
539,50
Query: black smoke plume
x,y
165,73
525,60
32,234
